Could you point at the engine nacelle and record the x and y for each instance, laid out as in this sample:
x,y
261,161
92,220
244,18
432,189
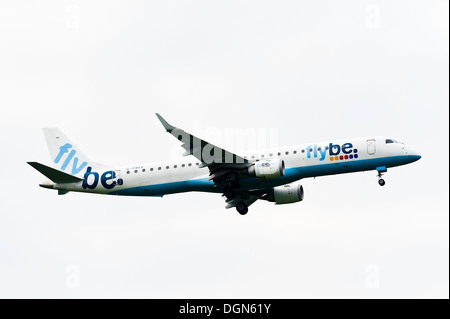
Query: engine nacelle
x,y
286,194
269,168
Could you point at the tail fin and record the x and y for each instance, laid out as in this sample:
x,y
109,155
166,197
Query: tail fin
x,y
65,155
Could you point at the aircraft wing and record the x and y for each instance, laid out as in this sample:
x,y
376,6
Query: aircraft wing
x,y
219,161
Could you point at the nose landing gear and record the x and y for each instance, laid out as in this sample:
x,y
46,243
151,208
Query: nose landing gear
x,y
381,171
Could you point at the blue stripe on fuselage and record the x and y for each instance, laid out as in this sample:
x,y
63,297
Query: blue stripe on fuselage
x,y
252,183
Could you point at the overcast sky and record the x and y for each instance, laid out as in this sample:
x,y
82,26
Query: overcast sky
x,y
291,72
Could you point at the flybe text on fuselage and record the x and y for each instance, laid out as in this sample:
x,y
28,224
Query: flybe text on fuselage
x,y
333,151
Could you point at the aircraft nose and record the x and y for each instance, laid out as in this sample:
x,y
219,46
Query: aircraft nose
x,y
413,155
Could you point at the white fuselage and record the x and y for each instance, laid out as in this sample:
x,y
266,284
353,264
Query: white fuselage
x,y
301,161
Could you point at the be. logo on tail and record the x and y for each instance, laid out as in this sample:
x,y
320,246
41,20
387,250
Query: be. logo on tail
x,y
64,149
107,179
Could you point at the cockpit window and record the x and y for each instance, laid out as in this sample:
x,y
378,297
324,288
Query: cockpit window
x,y
389,141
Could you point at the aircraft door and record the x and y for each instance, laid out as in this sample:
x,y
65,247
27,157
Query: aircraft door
x,y
371,147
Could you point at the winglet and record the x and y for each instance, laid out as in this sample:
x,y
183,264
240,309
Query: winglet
x,y
169,128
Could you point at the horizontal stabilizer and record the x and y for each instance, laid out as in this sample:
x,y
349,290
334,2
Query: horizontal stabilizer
x,y
55,175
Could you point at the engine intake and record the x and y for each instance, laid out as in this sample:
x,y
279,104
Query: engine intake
x,y
269,168
286,194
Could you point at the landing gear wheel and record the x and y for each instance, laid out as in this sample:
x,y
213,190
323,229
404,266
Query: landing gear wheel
x,y
242,208
381,171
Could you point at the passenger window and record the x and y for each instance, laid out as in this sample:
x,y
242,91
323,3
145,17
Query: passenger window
x,y
182,165
279,154
175,166
135,171
159,168
189,164
128,172
270,154
197,164
167,167
151,169
287,153
143,170
295,152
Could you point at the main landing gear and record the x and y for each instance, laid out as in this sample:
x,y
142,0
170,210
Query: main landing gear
x,y
381,171
232,194
229,192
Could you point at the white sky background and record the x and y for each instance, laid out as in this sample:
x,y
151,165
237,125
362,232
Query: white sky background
x,y
306,70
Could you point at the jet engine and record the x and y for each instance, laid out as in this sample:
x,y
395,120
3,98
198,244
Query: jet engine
x,y
285,194
269,168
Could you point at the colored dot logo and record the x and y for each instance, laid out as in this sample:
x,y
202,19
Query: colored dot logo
x,y
345,157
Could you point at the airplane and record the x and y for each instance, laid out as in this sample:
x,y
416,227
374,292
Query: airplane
x,y
272,175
